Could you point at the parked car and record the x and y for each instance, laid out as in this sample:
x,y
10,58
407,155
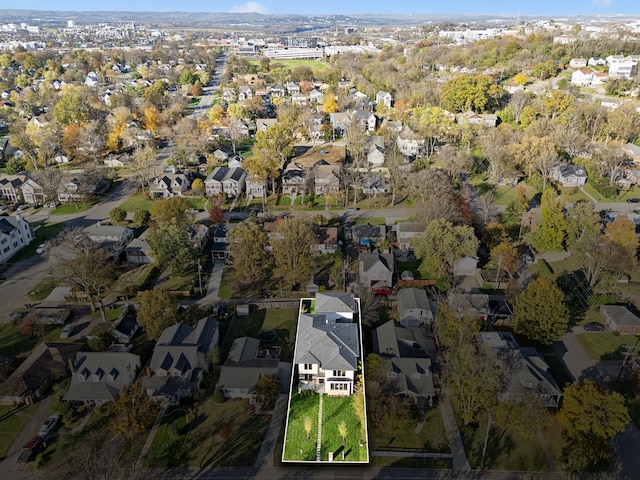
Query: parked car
x,y
382,291
528,259
41,248
31,449
66,331
633,200
593,327
22,208
49,425
50,205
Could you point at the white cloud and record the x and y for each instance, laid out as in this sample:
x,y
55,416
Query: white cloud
x,y
249,7
602,3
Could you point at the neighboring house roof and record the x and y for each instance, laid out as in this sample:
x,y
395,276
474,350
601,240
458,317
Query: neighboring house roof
x,y
412,298
469,302
329,342
392,339
335,302
98,232
369,260
45,360
181,334
621,314
127,325
99,376
243,368
412,376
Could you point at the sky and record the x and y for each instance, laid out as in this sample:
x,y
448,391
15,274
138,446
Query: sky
x,y
322,7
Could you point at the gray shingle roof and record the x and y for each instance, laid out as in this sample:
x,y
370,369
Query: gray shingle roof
x,y
410,298
335,302
331,343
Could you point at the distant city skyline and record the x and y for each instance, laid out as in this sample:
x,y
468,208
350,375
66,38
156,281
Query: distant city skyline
x,y
327,7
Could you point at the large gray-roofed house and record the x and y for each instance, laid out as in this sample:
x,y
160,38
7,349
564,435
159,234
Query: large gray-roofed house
x,y
376,269
336,302
179,360
244,367
99,376
412,378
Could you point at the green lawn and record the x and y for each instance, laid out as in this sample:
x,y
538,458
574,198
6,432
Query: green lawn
x,y
574,197
137,202
506,194
11,424
205,442
401,436
13,343
604,345
43,289
297,447
595,194
334,411
225,290
291,64
370,221
508,451
418,268
72,208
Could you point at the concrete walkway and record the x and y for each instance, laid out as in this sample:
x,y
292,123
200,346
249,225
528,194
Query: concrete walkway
x,y
266,457
214,284
460,462
588,195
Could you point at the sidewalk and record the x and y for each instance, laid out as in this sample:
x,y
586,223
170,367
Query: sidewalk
x,y
266,456
150,437
214,284
460,462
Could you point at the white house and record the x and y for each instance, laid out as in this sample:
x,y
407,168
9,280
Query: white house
x,y
569,175
230,181
384,98
328,349
582,77
15,233
413,307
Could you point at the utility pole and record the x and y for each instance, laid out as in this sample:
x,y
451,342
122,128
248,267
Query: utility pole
x,y
200,276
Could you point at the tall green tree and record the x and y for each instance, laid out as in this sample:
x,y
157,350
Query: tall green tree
x,y
172,246
292,251
443,243
158,310
550,234
171,210
252,261
539,312
73,107
479,93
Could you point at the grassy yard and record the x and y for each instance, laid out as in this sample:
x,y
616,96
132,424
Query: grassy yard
x,y
432,437
225,290
282,320
297,447
505,194
13,343
418,268
334,411
72,208
595,194
11,424
43,289
217,435
371,221
604,345
573,195
137,202
508,451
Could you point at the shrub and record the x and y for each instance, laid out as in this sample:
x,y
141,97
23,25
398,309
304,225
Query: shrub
x,y
218,395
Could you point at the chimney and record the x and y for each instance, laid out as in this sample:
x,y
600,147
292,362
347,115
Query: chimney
x,y
72,367
55,355
148,372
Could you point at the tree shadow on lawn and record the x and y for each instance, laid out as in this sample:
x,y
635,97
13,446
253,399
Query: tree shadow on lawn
x,y
242,446
498,445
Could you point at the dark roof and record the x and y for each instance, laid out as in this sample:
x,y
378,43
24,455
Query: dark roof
x,y
370,259
329,342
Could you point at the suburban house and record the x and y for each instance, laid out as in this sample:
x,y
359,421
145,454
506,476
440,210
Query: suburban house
x,y
10,187
374,184
328,350
368,236
179,360
262,124
529,372
245,364
620,319
374,149
32,379
326,240
97,377
376,269
481,119
32,192
255,187
342,121
293,181
113,237
413,307
230,181
15,233
169,185
220,240
582,77
569,175
470,304
78,188
409,142
327,179
405,361
630,149
126,326
405,231
383,98
139,250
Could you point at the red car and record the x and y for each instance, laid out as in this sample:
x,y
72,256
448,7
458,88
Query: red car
x,y
31,449
382,291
